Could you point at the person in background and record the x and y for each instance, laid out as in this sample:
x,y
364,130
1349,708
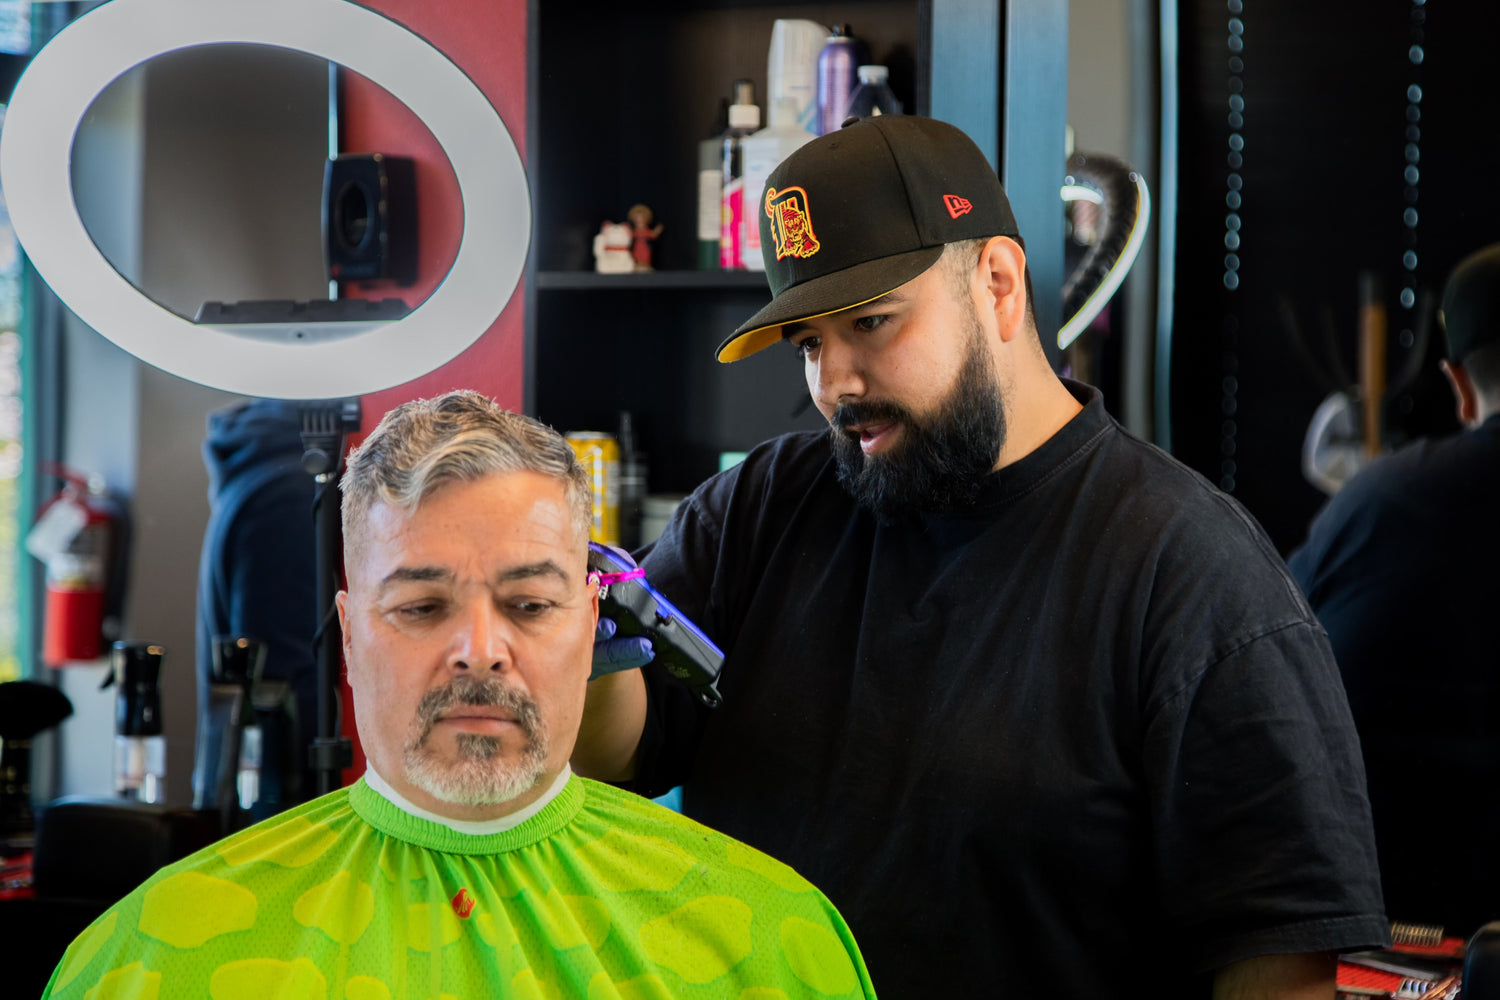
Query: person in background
x,y
1035,704
1399,566
257,578
469,860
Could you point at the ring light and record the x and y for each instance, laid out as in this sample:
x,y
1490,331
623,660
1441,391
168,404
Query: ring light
x,y
63,79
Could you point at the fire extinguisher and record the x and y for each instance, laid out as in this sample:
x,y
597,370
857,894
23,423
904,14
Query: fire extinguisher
x,y
76,535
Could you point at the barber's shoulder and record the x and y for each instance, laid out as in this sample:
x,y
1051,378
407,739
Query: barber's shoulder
x,y
1188,527
786,462
775,473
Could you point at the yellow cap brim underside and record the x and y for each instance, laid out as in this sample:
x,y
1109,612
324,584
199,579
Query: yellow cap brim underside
x,y
753,341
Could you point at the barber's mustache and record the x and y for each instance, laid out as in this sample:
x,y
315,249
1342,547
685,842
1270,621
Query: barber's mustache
x,y
477,691
847,415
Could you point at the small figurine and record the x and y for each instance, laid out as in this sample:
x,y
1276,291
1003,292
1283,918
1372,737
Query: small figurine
x,y
612,249
641,235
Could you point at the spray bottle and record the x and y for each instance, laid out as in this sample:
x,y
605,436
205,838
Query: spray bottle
x,y
836,79
140,747
744,118
873,95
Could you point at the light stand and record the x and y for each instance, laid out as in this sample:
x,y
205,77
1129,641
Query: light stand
x,y
325,425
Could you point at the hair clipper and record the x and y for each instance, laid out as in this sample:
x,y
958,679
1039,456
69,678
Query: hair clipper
x,y
637,608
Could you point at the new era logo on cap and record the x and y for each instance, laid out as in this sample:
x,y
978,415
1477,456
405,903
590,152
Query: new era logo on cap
x,y
957,206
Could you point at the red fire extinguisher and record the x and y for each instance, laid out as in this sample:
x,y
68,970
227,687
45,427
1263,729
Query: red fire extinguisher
x,y
73,535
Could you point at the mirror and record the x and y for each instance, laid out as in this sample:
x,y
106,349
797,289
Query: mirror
x,y
226,147
59,90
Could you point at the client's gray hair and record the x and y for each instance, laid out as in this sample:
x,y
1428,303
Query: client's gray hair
x,y
459,437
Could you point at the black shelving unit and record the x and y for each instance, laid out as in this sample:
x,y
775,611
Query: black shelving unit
x,y
619,96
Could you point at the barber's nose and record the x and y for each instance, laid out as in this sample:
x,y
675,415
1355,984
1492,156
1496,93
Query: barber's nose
x,y
838,377
481,642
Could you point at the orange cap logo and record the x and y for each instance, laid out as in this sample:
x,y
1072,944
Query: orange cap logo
x,y
790,223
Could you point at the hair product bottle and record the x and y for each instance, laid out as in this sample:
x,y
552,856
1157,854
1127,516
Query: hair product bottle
x,y
841,53
873,95
744,118
140,747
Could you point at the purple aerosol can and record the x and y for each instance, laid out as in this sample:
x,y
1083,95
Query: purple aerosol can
x,y
836,77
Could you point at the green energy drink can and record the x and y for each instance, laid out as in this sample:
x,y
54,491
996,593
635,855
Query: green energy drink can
x,y
599,454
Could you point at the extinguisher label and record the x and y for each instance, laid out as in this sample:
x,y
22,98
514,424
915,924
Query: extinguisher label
x,y
81,565
57,529
76,571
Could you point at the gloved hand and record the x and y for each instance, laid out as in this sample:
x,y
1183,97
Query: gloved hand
x,y
612,655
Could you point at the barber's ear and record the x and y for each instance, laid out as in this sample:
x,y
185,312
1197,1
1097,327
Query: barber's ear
x,y
1003,264
1465,395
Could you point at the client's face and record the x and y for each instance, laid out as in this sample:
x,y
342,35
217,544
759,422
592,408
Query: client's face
x,y
468,634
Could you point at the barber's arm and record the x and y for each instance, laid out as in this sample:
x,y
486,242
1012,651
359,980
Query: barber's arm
x,y
614,716
640,730
1278,977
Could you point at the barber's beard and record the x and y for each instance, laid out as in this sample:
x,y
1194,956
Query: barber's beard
x,y
940,460
476,774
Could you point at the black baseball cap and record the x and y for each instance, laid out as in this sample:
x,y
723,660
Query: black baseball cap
x,y
1471,303
859,212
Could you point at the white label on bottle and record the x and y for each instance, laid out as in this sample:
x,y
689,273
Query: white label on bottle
x,y
710,190
750,243
156,755
130,762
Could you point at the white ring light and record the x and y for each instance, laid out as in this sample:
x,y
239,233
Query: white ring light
x,y
69,72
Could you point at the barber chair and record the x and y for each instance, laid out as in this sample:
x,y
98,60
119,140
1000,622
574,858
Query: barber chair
x,y
89,854
1482,964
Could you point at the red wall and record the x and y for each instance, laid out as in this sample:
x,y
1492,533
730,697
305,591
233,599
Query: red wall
x,y
487,40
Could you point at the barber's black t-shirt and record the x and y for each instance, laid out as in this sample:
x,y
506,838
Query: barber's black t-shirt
x,y
1080,739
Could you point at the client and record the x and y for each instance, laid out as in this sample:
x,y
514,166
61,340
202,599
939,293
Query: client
x,y
468,860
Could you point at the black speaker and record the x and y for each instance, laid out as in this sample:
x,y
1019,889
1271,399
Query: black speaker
x,y
370,218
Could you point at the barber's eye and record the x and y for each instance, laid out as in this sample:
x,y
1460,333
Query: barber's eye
x,y
531,609
806,346
419,610
867,323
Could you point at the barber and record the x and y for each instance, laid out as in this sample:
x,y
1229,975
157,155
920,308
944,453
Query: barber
x,y
1036,705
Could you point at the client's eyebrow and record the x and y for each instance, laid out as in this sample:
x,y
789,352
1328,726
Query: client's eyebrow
x,y
429,574
544,568
414,574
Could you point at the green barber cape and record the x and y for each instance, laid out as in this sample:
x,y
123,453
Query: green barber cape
x,y
601,895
